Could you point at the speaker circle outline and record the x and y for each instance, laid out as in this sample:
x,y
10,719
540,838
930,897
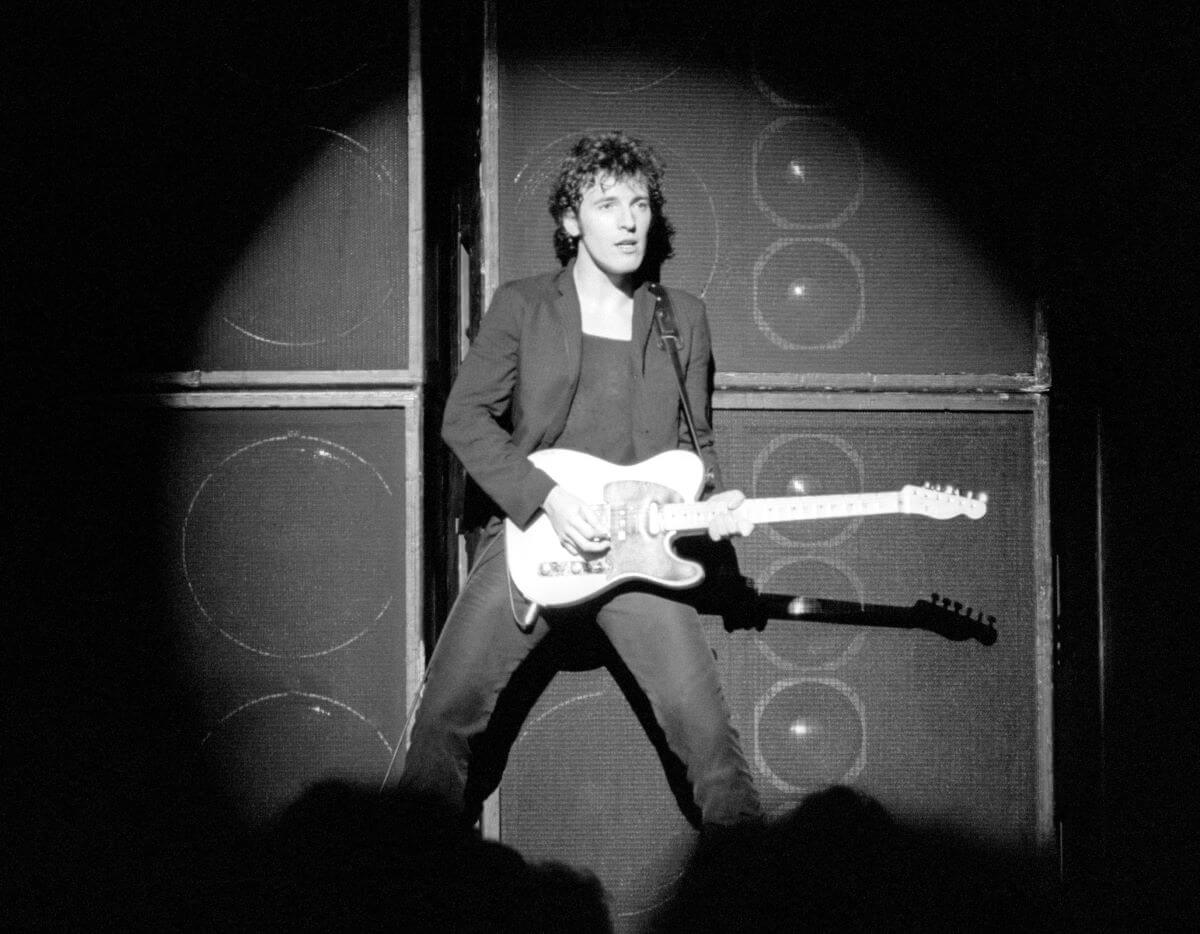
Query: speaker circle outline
x,y
854,523
860,761
363,154
241,708
853,648
860,312
183,540
658,898
775,217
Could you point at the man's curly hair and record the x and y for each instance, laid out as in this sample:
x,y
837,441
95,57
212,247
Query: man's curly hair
x,y
622,158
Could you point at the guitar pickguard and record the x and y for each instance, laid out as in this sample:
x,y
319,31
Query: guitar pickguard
x,y
549,575
636,548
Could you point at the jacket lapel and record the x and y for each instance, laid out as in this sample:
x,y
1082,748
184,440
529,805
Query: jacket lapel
x,y
566,306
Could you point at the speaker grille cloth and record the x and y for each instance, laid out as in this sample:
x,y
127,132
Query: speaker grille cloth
x,y
936,730
289,215
585,786
941,732
816,249
288,593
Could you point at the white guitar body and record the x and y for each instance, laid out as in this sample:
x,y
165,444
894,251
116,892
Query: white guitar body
x,y
646,505
547,574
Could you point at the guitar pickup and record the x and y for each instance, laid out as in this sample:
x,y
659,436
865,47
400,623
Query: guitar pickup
x,y
563,568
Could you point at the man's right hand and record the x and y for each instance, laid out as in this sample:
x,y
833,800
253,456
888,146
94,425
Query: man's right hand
x,y
579,526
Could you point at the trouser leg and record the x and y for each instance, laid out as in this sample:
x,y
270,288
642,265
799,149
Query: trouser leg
x,y
663,644
476,654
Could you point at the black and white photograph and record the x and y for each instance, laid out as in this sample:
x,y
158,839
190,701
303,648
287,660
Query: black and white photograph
x,y
510,465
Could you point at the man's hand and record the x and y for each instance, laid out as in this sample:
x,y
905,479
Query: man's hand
x,y
724,523
579,527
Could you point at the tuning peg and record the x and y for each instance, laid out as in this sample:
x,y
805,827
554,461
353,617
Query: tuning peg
x,y
934,598
946,602
982,497
957,607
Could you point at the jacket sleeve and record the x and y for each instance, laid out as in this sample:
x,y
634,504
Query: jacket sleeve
x,y
480,399
699,391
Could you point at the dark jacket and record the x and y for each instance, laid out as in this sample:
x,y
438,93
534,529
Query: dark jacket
x,y
522,373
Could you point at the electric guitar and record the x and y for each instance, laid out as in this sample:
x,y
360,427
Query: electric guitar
x,y
646,505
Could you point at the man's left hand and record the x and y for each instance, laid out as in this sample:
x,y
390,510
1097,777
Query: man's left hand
x,y
725,523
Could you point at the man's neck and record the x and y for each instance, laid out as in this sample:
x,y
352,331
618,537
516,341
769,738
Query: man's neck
x,y
598,288
605,302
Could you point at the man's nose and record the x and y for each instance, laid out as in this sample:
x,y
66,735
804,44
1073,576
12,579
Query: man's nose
x,y
628,219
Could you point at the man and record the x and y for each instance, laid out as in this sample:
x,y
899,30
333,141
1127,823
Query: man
x,y
567,360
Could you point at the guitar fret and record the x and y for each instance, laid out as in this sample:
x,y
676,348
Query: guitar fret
x,y
819,507
689,516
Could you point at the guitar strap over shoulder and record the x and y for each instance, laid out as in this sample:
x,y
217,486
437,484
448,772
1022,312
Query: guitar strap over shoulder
x,y
668,340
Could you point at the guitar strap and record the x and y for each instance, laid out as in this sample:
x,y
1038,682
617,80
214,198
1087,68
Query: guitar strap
x,y
668,340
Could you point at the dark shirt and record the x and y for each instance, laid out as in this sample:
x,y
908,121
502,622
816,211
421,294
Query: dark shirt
x,y
600,422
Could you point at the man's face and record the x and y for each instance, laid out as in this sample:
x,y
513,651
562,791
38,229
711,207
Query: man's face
x,y
611,223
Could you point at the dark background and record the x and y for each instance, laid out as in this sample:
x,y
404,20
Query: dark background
x,y
114,225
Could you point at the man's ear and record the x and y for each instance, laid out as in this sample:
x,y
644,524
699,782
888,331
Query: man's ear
x,y
570,223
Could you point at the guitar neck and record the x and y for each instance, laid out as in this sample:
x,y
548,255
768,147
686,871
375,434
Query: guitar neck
x,y
685,517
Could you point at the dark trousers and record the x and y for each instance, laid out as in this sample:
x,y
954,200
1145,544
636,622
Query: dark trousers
x,y
660,640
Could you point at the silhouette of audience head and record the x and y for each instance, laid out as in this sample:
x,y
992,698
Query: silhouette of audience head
x,y
839,862
347,858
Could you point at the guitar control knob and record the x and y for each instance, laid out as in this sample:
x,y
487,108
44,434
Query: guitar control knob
x,y
576,567
545,569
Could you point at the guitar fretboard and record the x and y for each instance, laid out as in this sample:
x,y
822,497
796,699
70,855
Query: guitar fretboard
x,y
680,517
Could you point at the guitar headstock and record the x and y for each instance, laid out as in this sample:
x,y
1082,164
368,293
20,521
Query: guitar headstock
x,y
942,502
951,619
